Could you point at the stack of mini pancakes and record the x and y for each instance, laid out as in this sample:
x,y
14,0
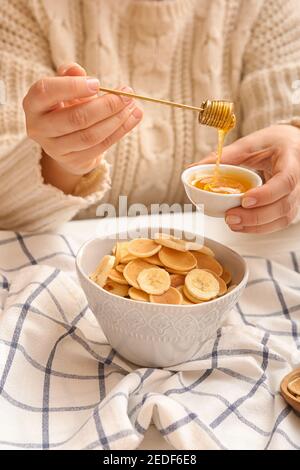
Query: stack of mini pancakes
x,y
164,270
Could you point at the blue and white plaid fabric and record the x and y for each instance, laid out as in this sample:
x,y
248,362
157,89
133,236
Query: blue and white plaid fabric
x,y
63,387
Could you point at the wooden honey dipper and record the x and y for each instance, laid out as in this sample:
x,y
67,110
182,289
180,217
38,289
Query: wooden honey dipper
x,y
215,113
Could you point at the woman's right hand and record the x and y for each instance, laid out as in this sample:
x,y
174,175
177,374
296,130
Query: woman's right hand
x,y
76,135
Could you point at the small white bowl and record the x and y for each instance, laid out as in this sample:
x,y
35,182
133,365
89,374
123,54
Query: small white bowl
x,y
216,205
156,335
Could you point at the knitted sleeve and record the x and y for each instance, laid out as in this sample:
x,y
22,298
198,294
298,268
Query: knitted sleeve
x,y
272,67
26,202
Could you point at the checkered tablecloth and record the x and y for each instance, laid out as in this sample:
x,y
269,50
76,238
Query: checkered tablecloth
x,y
63,387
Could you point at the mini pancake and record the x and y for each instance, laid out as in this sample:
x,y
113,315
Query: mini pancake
x,y
133,269
118,277
204,251
122,254
169,241
207,262
185,300
120,267
154,260
138,294
177,260
116,288
231,288
173,271
143,247
171,296
226,276
177,280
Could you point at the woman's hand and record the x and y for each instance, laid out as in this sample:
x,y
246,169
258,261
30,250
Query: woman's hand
x,y
276,152
72,124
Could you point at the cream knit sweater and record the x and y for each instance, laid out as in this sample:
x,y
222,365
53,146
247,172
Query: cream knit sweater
x,y
184,50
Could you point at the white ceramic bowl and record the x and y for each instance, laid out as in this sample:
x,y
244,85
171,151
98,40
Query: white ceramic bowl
x,y
216,205
156,335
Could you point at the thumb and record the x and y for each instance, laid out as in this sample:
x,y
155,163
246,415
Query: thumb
x,y
71,69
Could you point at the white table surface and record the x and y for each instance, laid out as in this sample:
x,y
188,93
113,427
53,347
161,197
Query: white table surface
x,y
261,245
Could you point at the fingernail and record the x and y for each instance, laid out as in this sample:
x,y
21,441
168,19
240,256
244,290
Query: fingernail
x,y
249,202
71,67
137,113
233,220
93,84
237,228
126,99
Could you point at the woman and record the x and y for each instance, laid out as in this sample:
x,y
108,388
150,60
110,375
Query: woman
x,y
183,50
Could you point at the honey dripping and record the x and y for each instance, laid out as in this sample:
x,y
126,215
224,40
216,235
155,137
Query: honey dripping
x,y
223,184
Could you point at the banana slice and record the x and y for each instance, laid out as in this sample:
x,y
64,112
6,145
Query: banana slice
x,y
118,252
154,260
171,296
194,246
222,283
103,269
185,300
118,277
201,284
190,297
120,267
143,247
226,276
116,288
154,281
138,294
207,262
133,269
177,280
170,242
177,260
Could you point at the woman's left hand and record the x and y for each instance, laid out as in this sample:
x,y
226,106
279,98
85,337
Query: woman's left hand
x,y
275,151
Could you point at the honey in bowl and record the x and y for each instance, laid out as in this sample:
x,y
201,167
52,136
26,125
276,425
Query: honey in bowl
x,y
223,184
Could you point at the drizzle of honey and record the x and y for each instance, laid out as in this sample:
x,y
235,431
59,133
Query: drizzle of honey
x,y
218,182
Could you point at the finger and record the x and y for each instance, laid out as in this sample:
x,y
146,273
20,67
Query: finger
x,y
270,227
87,138
279,186
47,92
97,150
83,115
71,69
263,215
